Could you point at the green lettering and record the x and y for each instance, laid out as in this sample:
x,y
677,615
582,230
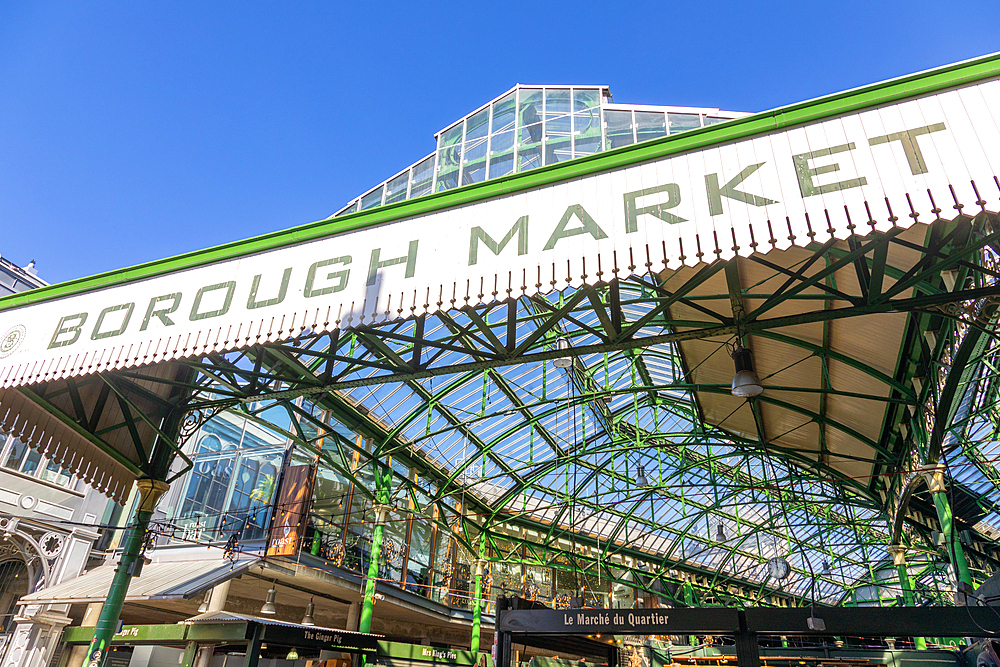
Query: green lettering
x,y
410,260
252,300
65,327
161,313
908,140
229,286
97,334
520,228
632,212
715,193
587,226
807,173
342,276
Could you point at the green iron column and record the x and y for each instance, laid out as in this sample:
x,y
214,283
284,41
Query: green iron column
x,y
477,602
934,476
151,487
898,552
690,601
150,491
383,481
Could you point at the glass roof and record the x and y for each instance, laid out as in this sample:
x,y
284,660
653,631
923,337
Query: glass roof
x,y
601,465
529,127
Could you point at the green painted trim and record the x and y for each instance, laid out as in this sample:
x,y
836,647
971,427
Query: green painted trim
x,y
894,90
144,634
218,632
444,656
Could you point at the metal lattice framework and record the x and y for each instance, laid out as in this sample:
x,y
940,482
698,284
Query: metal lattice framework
x,y
607,468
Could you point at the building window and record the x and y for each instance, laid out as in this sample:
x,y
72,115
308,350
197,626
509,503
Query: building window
x,y
230,486
16,455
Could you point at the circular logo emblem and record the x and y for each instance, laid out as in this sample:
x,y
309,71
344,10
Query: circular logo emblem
x,y
12,340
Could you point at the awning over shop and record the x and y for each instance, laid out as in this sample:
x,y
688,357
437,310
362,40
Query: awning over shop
x,y
289,634
160,580
228,627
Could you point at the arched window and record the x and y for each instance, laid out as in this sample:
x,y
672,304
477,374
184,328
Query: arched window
x,y
13,584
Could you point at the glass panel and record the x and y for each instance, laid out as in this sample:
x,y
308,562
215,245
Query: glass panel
x,y
230,487
253,491
587,131
680,122
463,585
503,114
709,120
557,102
586,99
372,199
54,473
596,589
449,158
350,209
567,584
327,517
502,154
423,178
474,156
619,124
529,152
418,563
650,125
477,126
31,461
394,538
622,595
395,190
537,583
502,139
558,126
17,452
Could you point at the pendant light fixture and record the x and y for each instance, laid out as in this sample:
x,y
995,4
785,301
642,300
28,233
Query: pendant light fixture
x,y
292,654
308,618
745,383
268,607
562,344
640,477
720,533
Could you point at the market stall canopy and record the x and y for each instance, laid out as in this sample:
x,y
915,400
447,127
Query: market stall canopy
x,y
161,580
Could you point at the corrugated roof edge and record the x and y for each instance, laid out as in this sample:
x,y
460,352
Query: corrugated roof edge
x,y
911,85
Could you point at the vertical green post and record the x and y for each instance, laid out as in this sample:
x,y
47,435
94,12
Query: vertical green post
x,y
190,651
383,481
898,552
936,485
150,491
151,487
477,603
689,600
317,543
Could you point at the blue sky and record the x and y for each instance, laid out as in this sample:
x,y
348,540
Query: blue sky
x,y
135,131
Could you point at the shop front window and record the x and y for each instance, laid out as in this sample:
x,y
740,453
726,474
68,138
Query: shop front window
x,y
231,484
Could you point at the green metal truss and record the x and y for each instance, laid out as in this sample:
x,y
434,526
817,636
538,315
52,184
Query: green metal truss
x,y
546,462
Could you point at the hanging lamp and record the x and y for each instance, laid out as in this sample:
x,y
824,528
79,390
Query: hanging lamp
x,y
562,344
268,607
745,383
308,618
